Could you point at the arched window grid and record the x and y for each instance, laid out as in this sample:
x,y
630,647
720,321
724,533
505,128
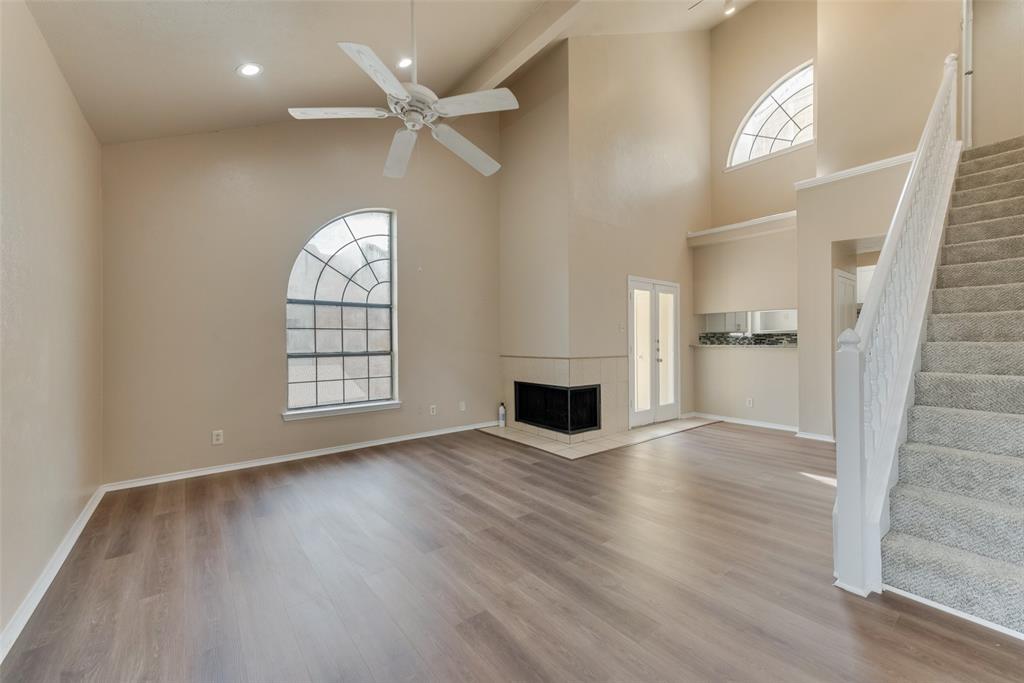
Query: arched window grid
x,y
795,127
345,358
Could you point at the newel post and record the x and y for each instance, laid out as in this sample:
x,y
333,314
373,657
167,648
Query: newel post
x,y
851,467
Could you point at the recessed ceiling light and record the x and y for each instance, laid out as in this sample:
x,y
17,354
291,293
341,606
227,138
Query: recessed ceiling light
x,y
249,69
404,63
730,7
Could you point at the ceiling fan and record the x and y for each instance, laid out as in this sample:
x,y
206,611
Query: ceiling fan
x,y
417,106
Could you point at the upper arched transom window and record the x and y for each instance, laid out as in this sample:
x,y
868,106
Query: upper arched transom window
x,y
783,117
341,314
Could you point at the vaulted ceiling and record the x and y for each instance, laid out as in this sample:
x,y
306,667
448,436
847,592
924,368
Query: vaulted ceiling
x,y
142,69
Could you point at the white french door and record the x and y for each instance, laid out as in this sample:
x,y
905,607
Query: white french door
x,y
653,351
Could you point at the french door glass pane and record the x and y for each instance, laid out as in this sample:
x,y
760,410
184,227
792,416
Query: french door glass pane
x,y
666,348
642,349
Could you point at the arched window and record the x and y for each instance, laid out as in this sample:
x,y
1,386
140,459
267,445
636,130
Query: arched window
x,y
341,314
782,118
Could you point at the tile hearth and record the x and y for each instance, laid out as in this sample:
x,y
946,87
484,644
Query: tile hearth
x,y
572,451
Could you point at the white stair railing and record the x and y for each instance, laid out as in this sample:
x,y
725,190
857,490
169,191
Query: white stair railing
x,y
876,363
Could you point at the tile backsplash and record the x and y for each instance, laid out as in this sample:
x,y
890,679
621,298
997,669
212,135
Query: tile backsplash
x,y
726,339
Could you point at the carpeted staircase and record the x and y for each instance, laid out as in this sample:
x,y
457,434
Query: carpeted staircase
x,y
957,514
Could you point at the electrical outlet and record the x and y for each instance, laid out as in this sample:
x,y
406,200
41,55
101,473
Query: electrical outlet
x,y
750,402
462,406
433,410
217,437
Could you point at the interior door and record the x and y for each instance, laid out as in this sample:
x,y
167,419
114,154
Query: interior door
x,y
653,351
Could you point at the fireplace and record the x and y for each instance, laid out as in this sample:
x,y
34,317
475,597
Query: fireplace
x,y
569,410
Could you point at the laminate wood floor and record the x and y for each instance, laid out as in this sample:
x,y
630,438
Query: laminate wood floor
x,y
701,556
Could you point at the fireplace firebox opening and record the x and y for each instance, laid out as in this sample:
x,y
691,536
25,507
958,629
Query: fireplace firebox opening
x,y
569,410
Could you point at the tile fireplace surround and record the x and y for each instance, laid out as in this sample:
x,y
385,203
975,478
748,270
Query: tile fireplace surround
x,y
611,373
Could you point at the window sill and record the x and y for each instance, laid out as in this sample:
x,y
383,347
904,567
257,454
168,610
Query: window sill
x,y
773,155
328,411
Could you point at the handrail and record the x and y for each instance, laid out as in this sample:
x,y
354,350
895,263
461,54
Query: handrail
x,y
872,299
876,361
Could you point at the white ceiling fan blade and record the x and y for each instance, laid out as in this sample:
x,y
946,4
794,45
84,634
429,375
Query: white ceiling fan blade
x,y
369,62
465,150
481,102
339,113
400,153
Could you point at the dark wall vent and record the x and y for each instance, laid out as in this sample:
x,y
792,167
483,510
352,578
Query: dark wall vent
x,y
569,410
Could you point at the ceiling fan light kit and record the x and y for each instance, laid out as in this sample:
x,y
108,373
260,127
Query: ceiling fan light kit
x,y
417,106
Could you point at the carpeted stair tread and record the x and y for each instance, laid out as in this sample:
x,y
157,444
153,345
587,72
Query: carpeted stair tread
x,y
980,212
993,326
985,358
977,251
1008,158
972,430
956,515
990,589
985,476
991,177
991,393
990,529
999,272
979,299
992,148
985,230
988,193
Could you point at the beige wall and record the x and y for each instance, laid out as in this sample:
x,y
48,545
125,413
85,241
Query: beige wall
x,y
998,80
827,214
638,181
630,189
752,274
725,377
878,68
201,233
867,258
534,211
51,318
749,52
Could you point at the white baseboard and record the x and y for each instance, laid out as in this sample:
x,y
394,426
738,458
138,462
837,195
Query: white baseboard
x,y
741,421
816,437
862,592
13,629
954,612
259,462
